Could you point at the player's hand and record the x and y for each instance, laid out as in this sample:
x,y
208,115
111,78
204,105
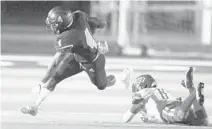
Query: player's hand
x,y
143,116
183,83
103,47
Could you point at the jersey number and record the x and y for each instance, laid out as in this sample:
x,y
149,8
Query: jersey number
x,y
89,39
163,94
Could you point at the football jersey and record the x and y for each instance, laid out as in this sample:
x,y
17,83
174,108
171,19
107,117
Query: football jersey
x,y
155,101
78,37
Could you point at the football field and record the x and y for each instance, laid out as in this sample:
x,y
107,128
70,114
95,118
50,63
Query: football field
x,y
77,104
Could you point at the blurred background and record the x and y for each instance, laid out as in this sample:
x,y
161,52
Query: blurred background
x,y
167,29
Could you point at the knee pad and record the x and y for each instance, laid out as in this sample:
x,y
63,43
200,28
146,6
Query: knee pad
x,y
180,115
101,87
173,115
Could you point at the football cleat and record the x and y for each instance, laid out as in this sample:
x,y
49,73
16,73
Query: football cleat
x,y
32,110
189,79
126,76
200,97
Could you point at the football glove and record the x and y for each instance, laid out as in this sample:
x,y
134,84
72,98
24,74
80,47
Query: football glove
x,y
102,47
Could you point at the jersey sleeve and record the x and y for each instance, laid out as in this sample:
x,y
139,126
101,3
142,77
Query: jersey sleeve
x,y
138,103
94,22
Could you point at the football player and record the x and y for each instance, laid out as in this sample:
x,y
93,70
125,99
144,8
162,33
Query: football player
x,y
168,109
77,51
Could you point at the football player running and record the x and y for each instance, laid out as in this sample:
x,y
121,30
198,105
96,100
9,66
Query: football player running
x,y
168,109
77,51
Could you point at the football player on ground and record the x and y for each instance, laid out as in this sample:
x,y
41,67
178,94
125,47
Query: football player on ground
x,y
77,51
168,109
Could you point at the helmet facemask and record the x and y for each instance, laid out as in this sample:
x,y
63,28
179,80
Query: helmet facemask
x,y
59,20
52,25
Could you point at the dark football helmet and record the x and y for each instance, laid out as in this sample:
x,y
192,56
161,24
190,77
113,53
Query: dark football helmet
x,y
143,81
59,18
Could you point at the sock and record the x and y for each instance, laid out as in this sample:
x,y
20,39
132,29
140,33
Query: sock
x,y
42,96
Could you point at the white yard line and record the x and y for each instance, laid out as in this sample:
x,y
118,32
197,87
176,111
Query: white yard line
x,y
117,66
72,99
47,59
121,66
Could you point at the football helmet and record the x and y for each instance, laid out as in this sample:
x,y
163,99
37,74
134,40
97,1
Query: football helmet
x,y
143,81
59,18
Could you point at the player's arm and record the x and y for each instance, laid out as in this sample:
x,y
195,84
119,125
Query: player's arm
x,y
138,104
95,22
131,112
51,68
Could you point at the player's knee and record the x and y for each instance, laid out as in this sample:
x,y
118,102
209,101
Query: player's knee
x,y
101,87
173,115
180,115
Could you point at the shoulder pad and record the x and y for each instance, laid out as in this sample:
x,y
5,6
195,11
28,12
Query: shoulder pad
x,y
80,13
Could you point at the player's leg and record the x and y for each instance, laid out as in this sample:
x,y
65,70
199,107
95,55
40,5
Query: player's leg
x,y
187,103
177,113
198,108
97,74
200,117
67,67
59,56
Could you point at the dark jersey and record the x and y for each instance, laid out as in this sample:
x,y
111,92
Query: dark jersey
x,y
79,37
